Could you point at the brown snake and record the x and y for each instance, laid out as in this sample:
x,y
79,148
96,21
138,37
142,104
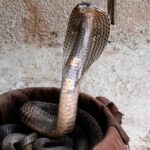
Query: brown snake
x,y
87,35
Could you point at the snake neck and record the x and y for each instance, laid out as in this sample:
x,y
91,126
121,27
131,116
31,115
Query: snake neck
x,y
72,75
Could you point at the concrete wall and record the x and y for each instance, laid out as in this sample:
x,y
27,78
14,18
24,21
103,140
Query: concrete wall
x,y
45,21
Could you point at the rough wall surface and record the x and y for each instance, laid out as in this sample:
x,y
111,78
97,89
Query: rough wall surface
x,y
122,74
45,21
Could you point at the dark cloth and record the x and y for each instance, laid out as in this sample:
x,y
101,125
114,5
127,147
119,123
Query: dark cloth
x,y
105,112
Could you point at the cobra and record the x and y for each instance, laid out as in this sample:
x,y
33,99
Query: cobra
x,y
86,36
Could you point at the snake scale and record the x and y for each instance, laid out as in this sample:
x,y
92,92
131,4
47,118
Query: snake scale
x,y
87,35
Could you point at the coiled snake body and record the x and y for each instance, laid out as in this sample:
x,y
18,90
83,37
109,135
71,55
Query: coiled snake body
x,y
86,37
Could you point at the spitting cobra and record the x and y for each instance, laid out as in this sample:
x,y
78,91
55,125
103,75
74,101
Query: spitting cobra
x,y
86,36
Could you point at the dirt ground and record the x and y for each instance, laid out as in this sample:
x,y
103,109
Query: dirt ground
x,y
122,74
